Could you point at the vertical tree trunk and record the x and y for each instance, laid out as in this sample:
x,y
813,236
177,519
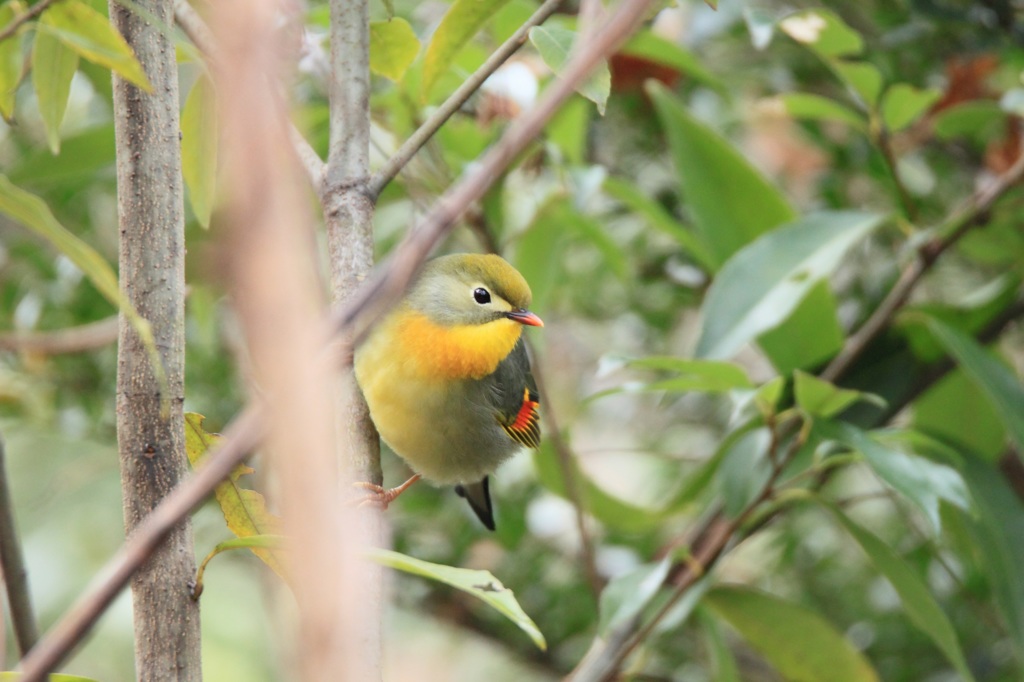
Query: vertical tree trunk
x,y
152,273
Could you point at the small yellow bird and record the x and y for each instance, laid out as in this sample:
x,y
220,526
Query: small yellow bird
x,y
447,377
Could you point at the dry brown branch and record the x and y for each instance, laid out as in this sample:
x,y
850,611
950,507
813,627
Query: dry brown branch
x,y
12,567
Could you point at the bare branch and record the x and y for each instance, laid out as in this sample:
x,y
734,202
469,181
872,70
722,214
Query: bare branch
x,y
455,101
78,339
12,567
199,33
33,12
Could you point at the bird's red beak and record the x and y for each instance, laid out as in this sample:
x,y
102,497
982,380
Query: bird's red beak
x,y
525,317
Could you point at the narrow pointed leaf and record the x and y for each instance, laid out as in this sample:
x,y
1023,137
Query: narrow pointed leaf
x,y
803,646
393,47
257,543
920,480
652,47
903,104
626,596
480,584
199,148
93,37
730,201
460,23
995,379
53,67
762,284
819,398
921,607
804,105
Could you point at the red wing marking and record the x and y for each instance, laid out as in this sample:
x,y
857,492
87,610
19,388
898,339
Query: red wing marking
x,y
525,428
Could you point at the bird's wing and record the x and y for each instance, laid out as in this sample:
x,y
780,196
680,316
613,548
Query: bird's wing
x,y
516,397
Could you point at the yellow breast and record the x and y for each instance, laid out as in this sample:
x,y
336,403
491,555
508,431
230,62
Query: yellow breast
x,y
454,352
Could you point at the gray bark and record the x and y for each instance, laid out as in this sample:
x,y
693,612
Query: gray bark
x,y
152,273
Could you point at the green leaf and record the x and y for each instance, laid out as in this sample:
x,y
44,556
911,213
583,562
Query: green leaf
x,y
393,47
658,217
199,148
53,67
957,410
32,212
626,596
11,60
863,78
555,43
803,646
731,202
460,23
596,234
706,376
87,155
802,105
267,544
824,32
744,470
903,104
480,584
92,36
699,480
653,47
996,380
921,607
762,284
920,480
820,398
979,120
997,531
809,336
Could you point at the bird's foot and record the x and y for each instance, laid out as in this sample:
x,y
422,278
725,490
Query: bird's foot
x,y
379,496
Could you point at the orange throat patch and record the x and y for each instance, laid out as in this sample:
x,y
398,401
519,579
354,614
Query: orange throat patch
x,y
460,351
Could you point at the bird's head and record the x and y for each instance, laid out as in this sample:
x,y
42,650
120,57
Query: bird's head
x,y
472,289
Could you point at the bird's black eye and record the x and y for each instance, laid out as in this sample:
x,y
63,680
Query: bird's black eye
x,y
481,296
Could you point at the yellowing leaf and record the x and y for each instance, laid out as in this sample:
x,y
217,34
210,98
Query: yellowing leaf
x,y
10,60
53,67
245,511
199,148
92,36
460,23
393,47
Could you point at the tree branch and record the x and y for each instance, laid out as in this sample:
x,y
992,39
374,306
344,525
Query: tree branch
x,y
12,567
78,339
455,101
348,321
199,33
33,12
972,214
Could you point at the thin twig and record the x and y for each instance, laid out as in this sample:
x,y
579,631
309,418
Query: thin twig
x,y
12,567
455,101
969,216
246,430
78,339
33,12
199,33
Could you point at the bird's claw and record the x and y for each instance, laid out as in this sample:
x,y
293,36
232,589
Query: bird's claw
x,y
379,496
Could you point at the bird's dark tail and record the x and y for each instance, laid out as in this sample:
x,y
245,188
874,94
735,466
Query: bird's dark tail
x,y
479,497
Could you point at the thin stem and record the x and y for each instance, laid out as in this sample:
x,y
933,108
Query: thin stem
x,y
78,339
33,12
199,33
455,101
884,143
12,567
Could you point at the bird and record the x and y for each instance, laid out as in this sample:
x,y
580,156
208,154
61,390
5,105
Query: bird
x,y
447,378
